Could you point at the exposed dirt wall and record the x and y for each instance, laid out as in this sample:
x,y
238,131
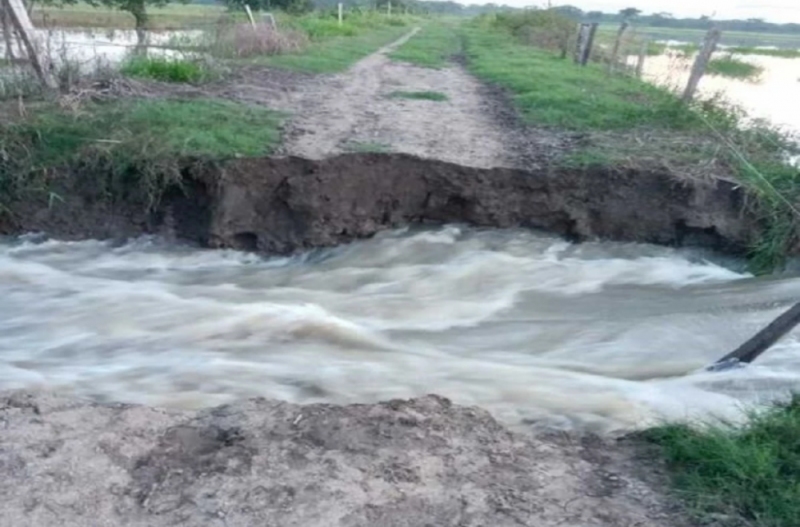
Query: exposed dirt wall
x,y
279,205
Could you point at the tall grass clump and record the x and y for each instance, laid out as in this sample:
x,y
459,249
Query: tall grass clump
x,y
240,40
738,475
167,69
730,66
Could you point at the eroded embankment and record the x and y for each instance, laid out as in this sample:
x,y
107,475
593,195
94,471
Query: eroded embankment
x,y
279,205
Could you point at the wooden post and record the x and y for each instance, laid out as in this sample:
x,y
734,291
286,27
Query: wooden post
x,y
583,51
270,20
701,62
761,341
642,58
250,15
340,13
615,52
27,35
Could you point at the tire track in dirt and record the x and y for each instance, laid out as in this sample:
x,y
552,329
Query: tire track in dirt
x,y
353,110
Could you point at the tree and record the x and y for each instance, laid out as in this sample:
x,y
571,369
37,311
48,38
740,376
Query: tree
x,y
594,15
630,12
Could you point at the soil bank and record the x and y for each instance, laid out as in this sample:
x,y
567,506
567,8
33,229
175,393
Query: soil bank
x,y
280,205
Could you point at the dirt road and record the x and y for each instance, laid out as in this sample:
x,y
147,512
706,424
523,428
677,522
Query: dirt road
x,y
356,111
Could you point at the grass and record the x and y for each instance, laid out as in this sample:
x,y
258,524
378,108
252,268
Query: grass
x,y
431,47
144,139
337,53
167,69
551,92
742,476
419,95
734,68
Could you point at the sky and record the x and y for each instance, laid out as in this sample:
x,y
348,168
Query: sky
x,y
780,11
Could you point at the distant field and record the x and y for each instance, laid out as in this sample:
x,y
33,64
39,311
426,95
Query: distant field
x,y
729,38
173,16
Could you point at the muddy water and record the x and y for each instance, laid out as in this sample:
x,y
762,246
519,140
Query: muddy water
x,y
772,96
597,336
92,48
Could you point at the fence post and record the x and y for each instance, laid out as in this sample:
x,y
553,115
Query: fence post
x,y
583,51
250,15
340,13
615,52
642,57
701,62
27,35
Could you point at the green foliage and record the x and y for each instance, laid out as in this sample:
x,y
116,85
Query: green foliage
x,y
419,95
432,46
359,147
732,67
166,69
749,476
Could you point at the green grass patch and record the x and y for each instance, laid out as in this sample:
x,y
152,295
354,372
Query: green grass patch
x,y
431,47
167,69
419,95
733,68
337,53
744,476
553,92
142,139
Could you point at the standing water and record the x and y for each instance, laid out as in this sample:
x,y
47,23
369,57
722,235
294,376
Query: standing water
x,y
598,336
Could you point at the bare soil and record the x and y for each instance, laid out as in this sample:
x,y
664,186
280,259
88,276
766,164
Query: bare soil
x,y
355,110
421,462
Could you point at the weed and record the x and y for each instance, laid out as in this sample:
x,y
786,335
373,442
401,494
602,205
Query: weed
x,y
167,69
419,95
732,67
244,40
749,475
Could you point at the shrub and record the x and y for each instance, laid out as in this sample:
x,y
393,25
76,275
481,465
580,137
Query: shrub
x,y
544,28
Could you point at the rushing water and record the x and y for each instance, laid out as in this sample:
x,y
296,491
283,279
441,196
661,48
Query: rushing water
x,y
599,335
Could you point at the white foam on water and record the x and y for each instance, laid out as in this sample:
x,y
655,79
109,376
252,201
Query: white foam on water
x,y
541,332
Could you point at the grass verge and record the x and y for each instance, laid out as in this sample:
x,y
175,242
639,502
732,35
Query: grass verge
x,y
419,95
431,47
83,15
141,139
734,68
738,476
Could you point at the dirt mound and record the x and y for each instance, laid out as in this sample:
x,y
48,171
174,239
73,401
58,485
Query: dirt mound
x,y
419,462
